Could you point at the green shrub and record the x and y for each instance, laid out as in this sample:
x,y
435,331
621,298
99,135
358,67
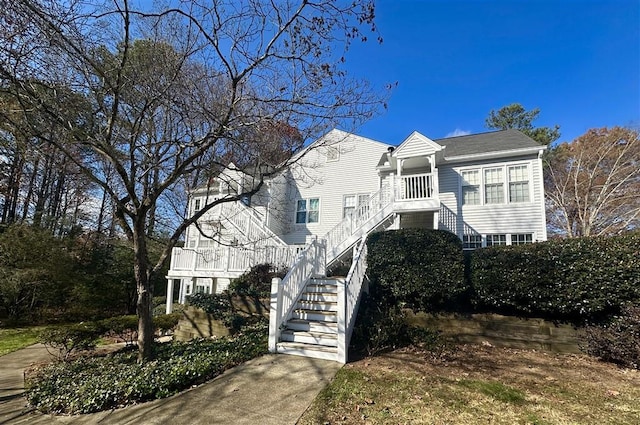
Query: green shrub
x,y
71,339
93,384
421,269
122,327
217,305
166,322
256,282
577,280
618,340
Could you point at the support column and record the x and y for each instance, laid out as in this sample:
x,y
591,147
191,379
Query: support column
x,y
275,311
169,309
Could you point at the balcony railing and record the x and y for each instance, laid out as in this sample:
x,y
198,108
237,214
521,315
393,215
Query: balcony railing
x,y
231,258
416,187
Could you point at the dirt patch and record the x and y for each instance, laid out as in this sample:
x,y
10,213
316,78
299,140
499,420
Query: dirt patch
x,y
479,384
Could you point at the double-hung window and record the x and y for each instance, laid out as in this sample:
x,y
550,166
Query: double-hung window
x,y
493,186
307,210
471,187
518,183
349,205
356,204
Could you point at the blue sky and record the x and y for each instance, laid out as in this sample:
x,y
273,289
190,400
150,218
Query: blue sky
x,y
454,61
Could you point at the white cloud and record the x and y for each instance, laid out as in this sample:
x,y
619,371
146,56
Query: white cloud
x,y
457,132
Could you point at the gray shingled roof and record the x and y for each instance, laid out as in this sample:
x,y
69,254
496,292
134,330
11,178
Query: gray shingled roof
x,y
494,141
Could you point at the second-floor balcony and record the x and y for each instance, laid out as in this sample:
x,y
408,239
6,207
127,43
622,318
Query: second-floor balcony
x,y
416,192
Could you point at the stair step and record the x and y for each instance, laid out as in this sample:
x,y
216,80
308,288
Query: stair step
x,y
321,288
318,305
317,338
319,296
316,315
325,281
308,350
312,326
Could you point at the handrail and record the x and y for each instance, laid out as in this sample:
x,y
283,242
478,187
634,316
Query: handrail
x,y
349,298
309,263
253,230
231,258
347,227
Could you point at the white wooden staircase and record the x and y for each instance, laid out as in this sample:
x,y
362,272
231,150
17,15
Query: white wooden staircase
x,y
312,330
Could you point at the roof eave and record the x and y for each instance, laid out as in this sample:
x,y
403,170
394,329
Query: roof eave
x,y
495,154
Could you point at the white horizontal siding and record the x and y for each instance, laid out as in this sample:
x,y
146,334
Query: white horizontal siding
x,y
507,218
314,177
416,145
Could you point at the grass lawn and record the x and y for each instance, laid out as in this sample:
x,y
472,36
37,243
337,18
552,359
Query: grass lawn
x,y
12,339
478,385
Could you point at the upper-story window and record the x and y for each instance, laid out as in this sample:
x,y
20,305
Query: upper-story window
x,y
355,203
471,187
307,210
518,183
493,186
196,205
333,153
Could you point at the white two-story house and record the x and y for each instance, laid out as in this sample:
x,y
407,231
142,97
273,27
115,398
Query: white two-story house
x,y
486,188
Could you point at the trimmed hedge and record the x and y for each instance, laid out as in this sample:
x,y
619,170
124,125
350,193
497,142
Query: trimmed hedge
x,y
415,268
420,269
577,280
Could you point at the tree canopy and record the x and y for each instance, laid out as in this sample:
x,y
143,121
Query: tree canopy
x,y
163,98
592,184
517,117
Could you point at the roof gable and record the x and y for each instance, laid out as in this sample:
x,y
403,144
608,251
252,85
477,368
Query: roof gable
x,y
416,145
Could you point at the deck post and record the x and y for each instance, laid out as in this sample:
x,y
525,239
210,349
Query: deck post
x,y
275,311
169,295
343,350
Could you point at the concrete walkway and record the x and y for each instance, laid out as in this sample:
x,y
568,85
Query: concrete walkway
x,y
272,389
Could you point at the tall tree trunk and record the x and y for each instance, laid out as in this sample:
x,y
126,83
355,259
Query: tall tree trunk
x,y
30,188
145,291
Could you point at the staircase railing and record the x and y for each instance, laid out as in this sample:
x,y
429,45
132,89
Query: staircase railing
x,y
251,228
286,292
354,223
349,299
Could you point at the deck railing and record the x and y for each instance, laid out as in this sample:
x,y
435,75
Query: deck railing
x,y
416,186
349,298
286,292
231,258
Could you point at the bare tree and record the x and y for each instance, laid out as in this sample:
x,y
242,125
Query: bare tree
x,y
592,184
174,92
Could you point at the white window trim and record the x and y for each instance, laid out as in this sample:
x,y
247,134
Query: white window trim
x,y
295,212
332,148
507,235
504,166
